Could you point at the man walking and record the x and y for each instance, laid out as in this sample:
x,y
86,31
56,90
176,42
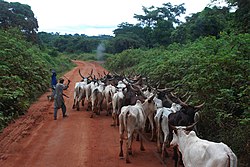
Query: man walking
x,y
58,98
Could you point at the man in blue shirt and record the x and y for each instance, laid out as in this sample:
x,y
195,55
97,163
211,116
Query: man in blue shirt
x,y
53,85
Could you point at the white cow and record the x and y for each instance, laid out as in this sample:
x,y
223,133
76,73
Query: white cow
x,y
79,93
97,97
162,127
117,103
109,92
197,152
132,119
158,103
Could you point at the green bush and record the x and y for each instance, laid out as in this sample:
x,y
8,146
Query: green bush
x,y
24,73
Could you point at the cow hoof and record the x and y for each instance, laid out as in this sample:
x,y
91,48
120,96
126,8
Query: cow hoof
x,y
121,155
130,152
128,161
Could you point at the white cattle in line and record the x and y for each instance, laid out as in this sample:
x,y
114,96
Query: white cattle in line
x,y
162,127
198,152
79,93
89,87
117,102
109,92
97,97
132,119
158,103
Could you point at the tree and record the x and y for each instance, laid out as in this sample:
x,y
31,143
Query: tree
x,y
167,12
210,21
126,41
18,15
242,14
159,23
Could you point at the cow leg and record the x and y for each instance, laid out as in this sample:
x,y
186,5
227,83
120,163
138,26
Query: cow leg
x,y
83,99
127,153
73,107
129,143
117,120
89,106
107,106
114,119
152,127
77,106
158,139
141,140
121,144
180,161
129,147
175,157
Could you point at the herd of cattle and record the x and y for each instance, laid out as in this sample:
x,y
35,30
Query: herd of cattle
x,y
135,106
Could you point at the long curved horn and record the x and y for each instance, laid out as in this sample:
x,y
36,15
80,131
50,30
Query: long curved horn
x,y
128,80
184,95
199,106
134,88
166,89
181,102
187,99
190,127
81,74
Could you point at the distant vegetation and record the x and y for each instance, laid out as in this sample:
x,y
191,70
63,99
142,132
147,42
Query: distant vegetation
x,y
208,55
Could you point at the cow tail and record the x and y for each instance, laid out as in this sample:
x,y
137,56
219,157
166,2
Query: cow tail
x,y
160,121
126,119
79,89
231,156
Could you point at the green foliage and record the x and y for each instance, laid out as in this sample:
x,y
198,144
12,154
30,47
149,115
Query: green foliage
x,y
210,21
24,73
214,71
72,44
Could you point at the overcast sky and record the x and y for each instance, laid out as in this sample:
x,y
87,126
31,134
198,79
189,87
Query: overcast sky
x,y
95,17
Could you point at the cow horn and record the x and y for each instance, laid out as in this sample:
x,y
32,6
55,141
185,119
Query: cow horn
x,y
181,102
191,127
81,74
199,106
187,99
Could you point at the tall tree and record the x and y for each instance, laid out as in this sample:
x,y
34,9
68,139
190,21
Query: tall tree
x,y
242,14
154,14
18,15
159,22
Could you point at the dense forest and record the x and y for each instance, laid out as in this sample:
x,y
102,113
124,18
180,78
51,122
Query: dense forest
x,y
208,54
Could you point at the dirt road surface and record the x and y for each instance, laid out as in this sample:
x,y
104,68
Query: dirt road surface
x,y
36,140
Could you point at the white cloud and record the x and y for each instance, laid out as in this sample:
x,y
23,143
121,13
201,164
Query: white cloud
x,y
95,17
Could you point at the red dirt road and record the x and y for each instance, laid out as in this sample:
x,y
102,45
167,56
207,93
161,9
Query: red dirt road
x,y
36,140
